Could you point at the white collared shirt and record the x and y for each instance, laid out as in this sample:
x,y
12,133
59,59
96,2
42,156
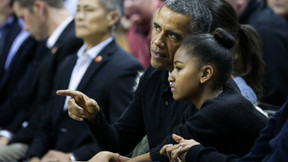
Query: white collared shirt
x,y
56,34
83,61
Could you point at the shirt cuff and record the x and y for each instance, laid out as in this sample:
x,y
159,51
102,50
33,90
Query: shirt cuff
x,y
155,154
6,134
72,157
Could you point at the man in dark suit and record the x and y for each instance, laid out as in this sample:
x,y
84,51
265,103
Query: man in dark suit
x,y
9,30
37,83
17,51
12,78
101,69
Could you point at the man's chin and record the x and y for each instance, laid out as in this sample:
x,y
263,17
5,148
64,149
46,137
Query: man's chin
x,y
157,65
160,65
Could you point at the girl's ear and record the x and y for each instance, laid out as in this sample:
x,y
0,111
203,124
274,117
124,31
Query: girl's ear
x,y
206,73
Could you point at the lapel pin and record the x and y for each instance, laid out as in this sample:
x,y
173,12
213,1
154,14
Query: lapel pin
x,y
98,59
54,50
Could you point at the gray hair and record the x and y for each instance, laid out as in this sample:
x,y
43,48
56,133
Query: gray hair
x,y
201,17
113,5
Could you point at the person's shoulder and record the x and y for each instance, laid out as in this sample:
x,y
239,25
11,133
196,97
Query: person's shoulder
x,y
153,73
154,78
265,18
123,59
68,60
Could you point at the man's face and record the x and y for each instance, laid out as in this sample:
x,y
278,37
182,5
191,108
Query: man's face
x,y
238,5
168,32
92,22
32,22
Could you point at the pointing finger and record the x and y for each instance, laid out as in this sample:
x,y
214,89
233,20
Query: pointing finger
x,y
70,93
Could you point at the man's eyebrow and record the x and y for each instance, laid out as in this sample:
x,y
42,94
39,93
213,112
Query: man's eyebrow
x,y
156,24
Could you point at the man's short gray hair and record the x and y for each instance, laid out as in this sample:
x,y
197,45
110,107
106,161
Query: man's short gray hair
x,y
114,5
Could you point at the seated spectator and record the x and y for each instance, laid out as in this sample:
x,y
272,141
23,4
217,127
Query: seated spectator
x,y
7,23
269,146
269,26
247,59
17,52
248,64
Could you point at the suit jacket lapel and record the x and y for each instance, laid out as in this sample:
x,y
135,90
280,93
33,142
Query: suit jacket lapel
x,y
106,53
62,38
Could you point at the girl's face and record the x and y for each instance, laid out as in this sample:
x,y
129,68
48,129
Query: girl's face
x,y
185,77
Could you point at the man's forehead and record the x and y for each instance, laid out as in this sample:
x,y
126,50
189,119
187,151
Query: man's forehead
x,y
89,3
172,19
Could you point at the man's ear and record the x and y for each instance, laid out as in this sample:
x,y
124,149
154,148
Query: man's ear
x,y
40,8
113,17
206,73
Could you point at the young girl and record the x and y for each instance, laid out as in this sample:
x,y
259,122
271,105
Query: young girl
x,y
202,72
202,65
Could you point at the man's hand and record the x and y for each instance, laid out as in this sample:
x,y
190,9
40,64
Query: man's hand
x,y
34,159
178,152
80,106
54,155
